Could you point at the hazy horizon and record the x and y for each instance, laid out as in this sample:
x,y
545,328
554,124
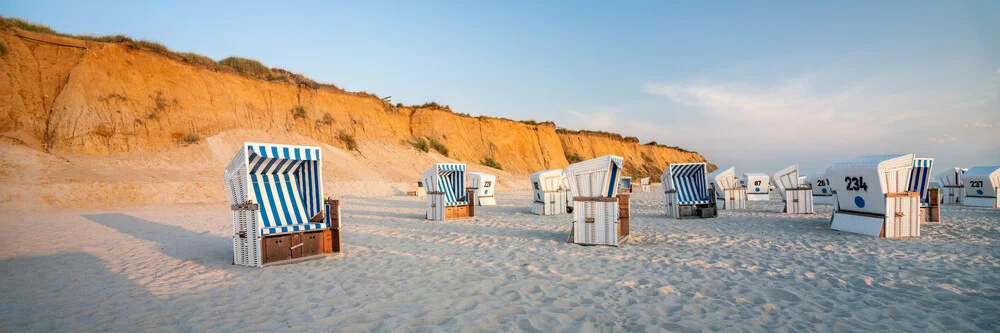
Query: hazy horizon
x,y
755,86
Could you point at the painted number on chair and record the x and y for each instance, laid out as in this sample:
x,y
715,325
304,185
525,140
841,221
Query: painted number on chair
x,y
856,183
821,182
756,183
976,183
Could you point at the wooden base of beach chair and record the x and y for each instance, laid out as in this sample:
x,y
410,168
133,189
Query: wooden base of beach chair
x,y
438,210
930,214
702,211
602,221
292,246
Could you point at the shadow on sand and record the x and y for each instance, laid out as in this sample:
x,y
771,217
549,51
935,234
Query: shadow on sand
x,y
173,241
75,292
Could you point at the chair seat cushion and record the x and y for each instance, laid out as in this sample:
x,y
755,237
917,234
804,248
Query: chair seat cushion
x,y
293,228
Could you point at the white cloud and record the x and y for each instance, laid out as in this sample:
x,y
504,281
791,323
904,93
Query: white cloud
x,y
976,124
998,70
810,120
943,139
602,119
791,110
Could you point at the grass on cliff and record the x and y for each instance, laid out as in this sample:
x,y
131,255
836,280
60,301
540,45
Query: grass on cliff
x,y
438,146
191,138
243,66
299,112
423,145
573,158
348,140
490,162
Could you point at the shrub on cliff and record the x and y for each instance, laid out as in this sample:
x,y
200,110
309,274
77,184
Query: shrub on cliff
x,y
423,145
327,119
246,66
573,158
490,162
439,147
198,59
299,112
348,140
191,138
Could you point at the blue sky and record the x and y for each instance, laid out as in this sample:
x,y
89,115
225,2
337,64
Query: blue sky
x,y
756,85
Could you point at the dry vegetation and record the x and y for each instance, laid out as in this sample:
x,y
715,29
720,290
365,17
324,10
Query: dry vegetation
x,y
490,162
348,140
243,66
299,112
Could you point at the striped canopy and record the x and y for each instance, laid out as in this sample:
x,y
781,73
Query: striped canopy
x,y
285,180
690,182
626,182
448,178
920,177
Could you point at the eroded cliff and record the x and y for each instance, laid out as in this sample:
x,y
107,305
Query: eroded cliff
x,y
73,97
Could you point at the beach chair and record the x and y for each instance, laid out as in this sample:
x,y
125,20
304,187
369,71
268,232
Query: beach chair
x,y
644,184
483,186
727,189
600,212
421,191
685,186
447,197
981,186
276,195
920,177
550,195
758,186
873,197
796,198
626,184
952,186
819,182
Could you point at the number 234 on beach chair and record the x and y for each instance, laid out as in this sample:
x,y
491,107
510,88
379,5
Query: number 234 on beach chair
x,y
276,195
873,196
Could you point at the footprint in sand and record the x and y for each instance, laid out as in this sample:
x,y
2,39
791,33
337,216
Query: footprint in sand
x,y
782,295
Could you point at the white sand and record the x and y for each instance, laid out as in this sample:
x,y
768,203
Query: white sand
x,y
167,268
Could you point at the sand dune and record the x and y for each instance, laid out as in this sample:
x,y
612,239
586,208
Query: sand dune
x,y
167,268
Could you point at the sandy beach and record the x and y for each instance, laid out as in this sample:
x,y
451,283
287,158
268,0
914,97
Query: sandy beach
x,y
168,268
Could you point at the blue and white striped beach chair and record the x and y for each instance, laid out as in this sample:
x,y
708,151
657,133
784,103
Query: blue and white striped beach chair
x,y
626,184
276,193
447,196
920,178
686,188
